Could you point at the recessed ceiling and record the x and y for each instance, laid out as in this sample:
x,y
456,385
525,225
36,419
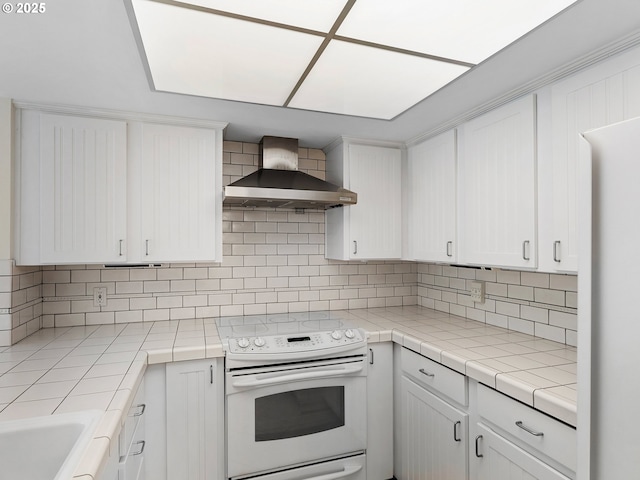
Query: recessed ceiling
x,y
366,58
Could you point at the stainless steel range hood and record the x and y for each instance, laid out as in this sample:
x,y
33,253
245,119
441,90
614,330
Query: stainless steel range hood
x,y
279,183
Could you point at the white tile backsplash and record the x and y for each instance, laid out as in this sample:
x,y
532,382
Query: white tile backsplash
x,y
528,302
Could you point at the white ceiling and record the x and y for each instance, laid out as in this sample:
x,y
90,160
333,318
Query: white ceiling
x,y
85,53
368,58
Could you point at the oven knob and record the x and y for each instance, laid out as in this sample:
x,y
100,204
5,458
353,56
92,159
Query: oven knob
x,y
336,334
259,342
243,343
349,333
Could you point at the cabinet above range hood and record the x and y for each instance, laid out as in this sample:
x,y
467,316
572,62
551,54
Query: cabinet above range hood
x,y
279,184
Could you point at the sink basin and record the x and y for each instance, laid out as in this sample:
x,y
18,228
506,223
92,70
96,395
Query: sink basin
x,y
46,448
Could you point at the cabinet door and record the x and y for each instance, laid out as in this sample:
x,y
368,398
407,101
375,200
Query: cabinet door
x,y
432,199
83,175
380,412
497,175
604,95
195,421
502,460
433,436
375,221
178,193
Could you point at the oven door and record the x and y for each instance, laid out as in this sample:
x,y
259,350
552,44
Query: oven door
x,y
297,414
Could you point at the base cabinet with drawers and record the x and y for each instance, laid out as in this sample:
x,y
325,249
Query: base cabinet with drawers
x,y
448,426
433,423
512,441
127,454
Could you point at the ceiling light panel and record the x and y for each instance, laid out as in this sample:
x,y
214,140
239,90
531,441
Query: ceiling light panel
x,y
208,55
353,79
463,30
317,15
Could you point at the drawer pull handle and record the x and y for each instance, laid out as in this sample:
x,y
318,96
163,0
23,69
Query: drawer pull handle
x,y
142,407
142,443
428,374
525,249
528,430
455,431
478,454
556,251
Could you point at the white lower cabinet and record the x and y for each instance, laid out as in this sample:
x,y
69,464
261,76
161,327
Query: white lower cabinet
x,y
513,441
195,420
127,453
499,459
379,408
132,440
185,424
432,436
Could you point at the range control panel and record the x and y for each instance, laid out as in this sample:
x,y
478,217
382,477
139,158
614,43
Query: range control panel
x,y
299,342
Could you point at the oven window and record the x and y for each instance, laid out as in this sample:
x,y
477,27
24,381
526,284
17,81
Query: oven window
x,y
299,412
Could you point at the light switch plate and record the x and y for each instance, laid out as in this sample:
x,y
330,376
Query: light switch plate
x,y
476,289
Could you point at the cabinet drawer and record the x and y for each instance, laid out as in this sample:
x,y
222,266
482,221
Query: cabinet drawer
x,y
131,422
558,441
434,376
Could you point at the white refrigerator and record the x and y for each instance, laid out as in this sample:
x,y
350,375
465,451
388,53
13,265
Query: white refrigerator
x,y
609,303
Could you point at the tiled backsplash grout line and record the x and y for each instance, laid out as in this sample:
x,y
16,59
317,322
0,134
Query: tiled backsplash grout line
x,y
539,304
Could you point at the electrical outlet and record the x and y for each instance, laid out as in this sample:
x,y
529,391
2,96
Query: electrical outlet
x,y
476,289
100,296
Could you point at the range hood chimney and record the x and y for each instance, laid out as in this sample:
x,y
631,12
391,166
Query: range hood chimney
x,y
279,184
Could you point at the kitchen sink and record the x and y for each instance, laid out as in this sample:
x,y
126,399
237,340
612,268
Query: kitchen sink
x,y
46,448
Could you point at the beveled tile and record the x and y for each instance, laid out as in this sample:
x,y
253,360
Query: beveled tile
x,y
559,402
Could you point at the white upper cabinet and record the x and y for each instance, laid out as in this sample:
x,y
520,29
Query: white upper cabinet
x,y
497,182
371,229
431,181
103,189
605,94
179,207
73,197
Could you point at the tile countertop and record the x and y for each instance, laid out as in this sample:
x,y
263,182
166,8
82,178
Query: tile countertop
x,y
67,369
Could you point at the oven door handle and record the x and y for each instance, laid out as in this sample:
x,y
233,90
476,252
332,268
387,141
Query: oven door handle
x,y
271,380
346,472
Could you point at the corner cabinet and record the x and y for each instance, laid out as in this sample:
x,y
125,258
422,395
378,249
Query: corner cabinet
x,y
371,229
431,183
497,187
107,188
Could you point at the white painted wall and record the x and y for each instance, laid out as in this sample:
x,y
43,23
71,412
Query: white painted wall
x,y
6,175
